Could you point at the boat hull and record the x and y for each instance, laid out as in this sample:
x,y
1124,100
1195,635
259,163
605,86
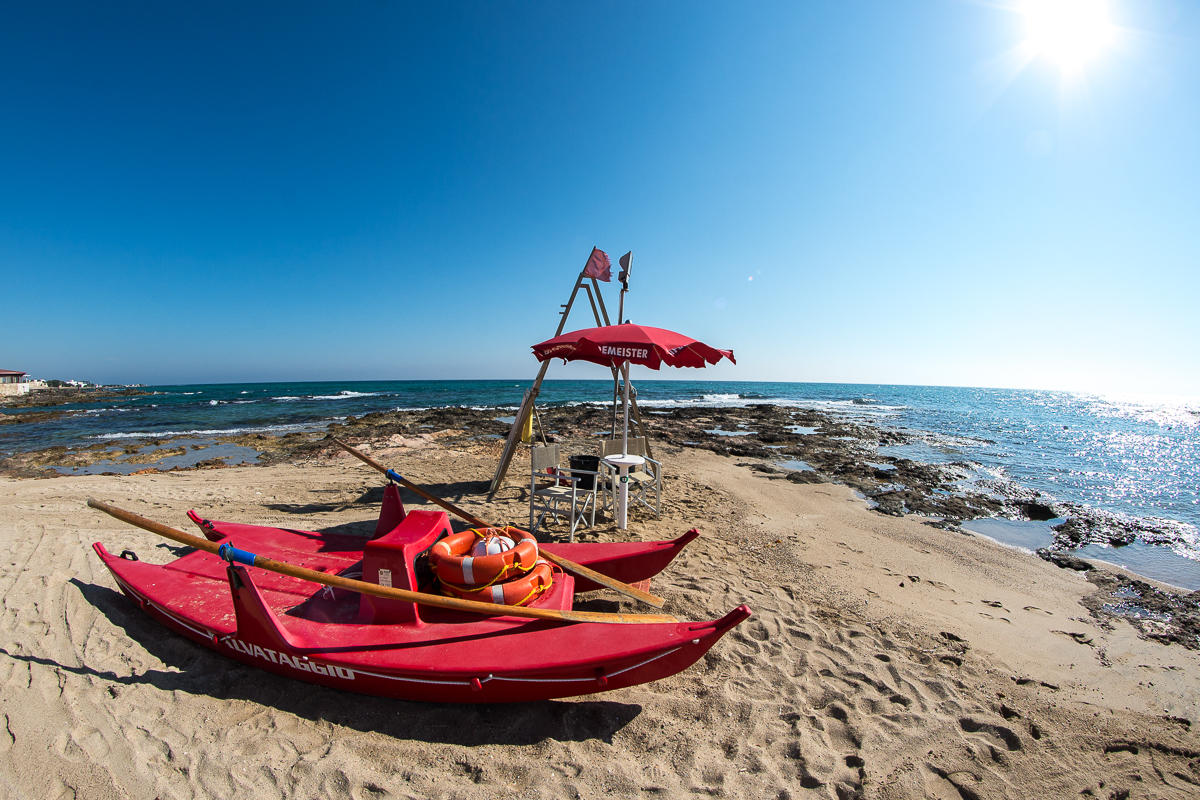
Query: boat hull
x,y
338,639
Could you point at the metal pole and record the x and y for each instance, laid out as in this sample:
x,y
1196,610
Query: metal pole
x,y
616,390
625,432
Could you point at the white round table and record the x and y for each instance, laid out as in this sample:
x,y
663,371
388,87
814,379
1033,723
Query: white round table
x,y
623,462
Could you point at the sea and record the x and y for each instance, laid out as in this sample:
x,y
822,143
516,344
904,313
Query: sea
x,y
1136,456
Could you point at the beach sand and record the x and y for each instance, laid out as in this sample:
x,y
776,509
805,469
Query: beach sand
x,y
885,659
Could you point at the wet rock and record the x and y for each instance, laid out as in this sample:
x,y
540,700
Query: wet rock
x,y
1086,525
1164,616
1065,561
1038,512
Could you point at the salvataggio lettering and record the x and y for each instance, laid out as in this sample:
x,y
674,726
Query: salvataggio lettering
x,y
301,664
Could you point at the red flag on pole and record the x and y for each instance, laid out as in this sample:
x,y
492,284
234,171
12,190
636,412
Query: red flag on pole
x,y
598,266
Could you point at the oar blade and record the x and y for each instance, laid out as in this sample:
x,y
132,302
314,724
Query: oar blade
x,y
604,580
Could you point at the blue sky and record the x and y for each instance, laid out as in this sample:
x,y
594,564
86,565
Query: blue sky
x,y
873,192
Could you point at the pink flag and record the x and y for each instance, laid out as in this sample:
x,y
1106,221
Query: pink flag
x,y
598,266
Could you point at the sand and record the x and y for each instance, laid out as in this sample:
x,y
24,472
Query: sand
x,y
885,659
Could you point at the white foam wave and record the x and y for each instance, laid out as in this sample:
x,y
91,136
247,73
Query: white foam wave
x,y
210,432
345,395
719,401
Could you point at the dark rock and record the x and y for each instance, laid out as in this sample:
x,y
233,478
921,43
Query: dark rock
x,y
1038,512
1065,561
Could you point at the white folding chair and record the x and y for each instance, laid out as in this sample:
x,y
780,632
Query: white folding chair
x,y
562,495
643,481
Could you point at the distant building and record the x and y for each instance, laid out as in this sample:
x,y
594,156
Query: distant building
x,y
13,383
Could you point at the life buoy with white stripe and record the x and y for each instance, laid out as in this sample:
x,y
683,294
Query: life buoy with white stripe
x,y
480,558
515,592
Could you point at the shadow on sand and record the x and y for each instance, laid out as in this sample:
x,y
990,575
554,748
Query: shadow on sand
x,y
203,672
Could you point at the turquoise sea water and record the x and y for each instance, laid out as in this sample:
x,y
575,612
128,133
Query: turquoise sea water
x,y
1136,456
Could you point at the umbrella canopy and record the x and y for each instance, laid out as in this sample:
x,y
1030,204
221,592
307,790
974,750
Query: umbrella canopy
x,y
638,344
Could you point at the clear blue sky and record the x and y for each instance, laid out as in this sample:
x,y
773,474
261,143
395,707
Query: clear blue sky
x,y
852,191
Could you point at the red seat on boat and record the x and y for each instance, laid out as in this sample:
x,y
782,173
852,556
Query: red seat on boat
x,y
388,561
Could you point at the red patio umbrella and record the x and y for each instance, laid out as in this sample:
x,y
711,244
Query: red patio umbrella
x,y
636,344
622,345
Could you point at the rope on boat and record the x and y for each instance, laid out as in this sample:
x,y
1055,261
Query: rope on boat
x,y
521,680
609,675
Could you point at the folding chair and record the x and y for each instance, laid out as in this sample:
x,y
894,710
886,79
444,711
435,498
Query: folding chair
x,y
563,489
643,480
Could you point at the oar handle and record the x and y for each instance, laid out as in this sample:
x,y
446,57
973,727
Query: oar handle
x,y
453,509
568,565
602,579
230,553
412,487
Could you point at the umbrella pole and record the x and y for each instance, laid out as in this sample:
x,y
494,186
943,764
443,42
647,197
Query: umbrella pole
x,y
623,463
625,431
616,390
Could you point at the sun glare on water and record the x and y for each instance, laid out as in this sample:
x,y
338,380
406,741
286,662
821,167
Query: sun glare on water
x,y
1070,32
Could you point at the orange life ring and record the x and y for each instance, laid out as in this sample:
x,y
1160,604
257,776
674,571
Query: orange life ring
x,y
452,560
515,592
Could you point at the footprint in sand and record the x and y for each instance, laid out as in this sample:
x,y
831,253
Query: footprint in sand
x,y
1039,610
1082,638
997,734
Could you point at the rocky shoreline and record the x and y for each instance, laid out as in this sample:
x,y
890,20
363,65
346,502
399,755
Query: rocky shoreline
x,y
797,445
45,398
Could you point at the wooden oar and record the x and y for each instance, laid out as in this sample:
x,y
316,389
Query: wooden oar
x,y
231,554
569,566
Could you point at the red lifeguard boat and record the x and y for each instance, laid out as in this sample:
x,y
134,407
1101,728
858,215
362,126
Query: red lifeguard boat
x,y
392,648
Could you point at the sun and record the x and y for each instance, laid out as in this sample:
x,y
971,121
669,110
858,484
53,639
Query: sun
x,y
1071,32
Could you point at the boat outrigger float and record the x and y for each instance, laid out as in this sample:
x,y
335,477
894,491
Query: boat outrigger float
x,y
375,628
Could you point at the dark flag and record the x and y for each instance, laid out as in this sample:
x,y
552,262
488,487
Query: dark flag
x,y
625,261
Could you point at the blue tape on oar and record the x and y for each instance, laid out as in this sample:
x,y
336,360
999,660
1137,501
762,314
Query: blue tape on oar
x,y
392,475
231,554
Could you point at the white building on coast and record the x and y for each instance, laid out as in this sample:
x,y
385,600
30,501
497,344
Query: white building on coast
x,y
14,383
